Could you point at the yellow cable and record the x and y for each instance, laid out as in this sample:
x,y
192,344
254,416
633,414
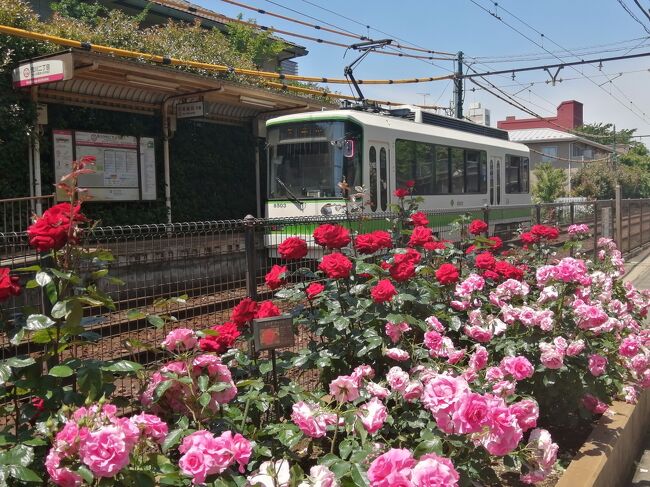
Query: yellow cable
x,y
13,31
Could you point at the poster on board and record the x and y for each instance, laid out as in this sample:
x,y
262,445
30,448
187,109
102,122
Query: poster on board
x,y
125,166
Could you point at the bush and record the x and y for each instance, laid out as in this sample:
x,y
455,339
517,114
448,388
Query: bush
x,y
436,360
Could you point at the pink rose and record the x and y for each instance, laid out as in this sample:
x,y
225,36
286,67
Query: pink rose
x,y
195,463
321,476
413,391
442,392
397,354
526,412
105,451
629,347
377,390
396,330
494,374
154,427
180,338
575,347
593,404
519,367
394,465
504,432
479,358
305,416
552,359
434,471
372,415
63,477
471,413
361,372
344,388
238,446
597,364
397,379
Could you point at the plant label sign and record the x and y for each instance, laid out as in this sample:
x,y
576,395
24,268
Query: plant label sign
x,y
272,333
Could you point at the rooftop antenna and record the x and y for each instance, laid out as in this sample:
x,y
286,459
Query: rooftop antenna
x,y
366,48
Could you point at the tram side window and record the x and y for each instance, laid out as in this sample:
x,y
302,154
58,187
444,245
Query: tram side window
x,y
442,170
475,171
404,161
517,174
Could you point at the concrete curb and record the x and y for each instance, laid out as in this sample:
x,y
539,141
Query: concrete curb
x,y
607,457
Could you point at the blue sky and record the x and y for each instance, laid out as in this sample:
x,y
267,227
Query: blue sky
x,y
453,25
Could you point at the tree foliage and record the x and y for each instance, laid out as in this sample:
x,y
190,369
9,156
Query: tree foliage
x,y
88,12
260,46
597,180
603,133
550,183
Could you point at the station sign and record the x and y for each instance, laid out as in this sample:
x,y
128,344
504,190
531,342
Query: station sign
x,y
43,70
272,333
190,110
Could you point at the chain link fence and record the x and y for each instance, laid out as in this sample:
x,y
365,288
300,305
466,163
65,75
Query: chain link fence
x,y
216,264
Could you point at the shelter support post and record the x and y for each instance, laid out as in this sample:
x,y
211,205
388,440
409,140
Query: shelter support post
x,y
36,158
166,137
258,192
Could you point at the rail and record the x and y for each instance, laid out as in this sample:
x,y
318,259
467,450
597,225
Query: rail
x,y
16,213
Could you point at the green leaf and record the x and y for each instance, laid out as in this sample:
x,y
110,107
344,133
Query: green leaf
x,y
18,455
360,479
60,309
85,474
61,371
266,367
161,389
38,322
43,278
50,291
203,383
173,439
5,373
204,399
31,284
346,447
341,323
99,274
122,366
135,314
433,445
19,363
31,268
89,379
23,473
156,321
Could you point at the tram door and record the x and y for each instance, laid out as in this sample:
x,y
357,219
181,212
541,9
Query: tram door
x,y
495,180
378,175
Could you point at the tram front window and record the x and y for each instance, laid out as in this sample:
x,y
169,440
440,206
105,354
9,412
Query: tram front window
x,y
311,159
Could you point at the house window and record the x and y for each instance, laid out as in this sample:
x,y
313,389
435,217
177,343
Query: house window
x,y
550,154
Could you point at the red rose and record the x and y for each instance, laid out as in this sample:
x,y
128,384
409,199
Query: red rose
x,y
293,248
471,249
485,260
383,240
336,266
477,227
366,243
447,274
244,311
419,219
508,271
495,242
225,338
420,236
9,285
383,291
275,277
267,309
436,245
528,238
410,183
401,193
410,255
384,264
51,231
38,403
332,236
402,271
488,274
314,289
543,231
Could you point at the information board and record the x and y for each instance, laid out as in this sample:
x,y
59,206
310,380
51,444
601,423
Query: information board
x,y
125,166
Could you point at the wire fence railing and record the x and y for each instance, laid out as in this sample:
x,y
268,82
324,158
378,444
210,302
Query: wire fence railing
x,y
16,213
216,264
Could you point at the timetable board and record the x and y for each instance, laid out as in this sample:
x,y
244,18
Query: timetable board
x,y
125,166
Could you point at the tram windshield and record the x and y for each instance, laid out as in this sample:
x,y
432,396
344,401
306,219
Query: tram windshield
x,y
310,159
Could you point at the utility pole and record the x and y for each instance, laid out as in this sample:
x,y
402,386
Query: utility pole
x,y
424,96
618,196
458,87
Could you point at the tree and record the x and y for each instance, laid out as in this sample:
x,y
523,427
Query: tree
x,y
603,133
597,180
260,46
550,183
77,9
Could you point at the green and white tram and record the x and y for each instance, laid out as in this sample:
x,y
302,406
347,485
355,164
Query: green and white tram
x,y
454,164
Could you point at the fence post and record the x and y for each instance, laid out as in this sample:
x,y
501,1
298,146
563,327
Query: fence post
x,y
251,257
619,214
538,213
596,230
486,216
572,212
629,226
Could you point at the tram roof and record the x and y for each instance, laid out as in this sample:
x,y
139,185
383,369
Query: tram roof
x,y
398,123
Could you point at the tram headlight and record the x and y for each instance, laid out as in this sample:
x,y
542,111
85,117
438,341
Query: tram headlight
x,y
326,209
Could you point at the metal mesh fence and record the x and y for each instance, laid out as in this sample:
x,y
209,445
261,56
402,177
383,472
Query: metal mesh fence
x,y
16,213
216,264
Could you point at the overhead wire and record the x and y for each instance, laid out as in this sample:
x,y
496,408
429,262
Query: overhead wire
x,y
326,29
631,14
641,116
645,12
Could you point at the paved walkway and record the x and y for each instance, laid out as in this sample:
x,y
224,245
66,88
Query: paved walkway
x,y
639,273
